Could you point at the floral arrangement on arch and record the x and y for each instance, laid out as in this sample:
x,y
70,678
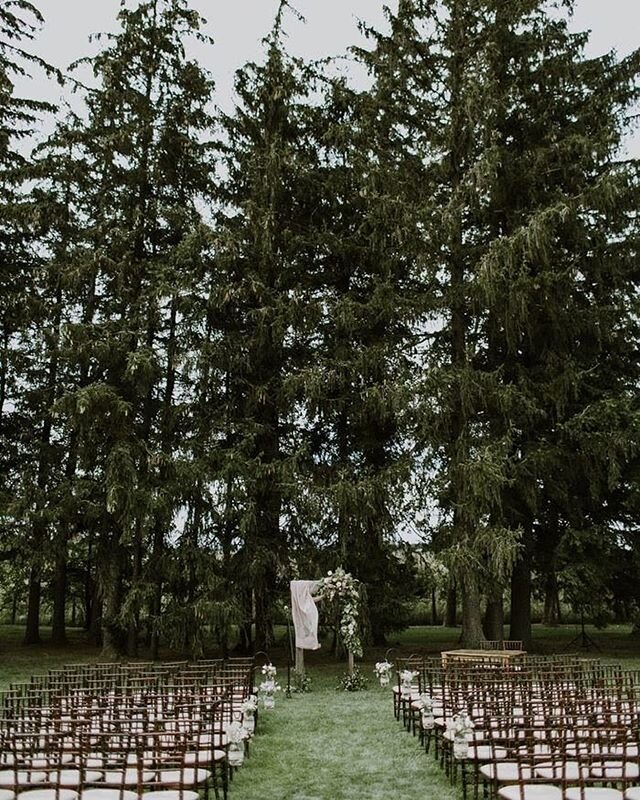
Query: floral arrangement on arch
x,y
341,587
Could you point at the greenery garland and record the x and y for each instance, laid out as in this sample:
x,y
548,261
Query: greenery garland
x,y
342,586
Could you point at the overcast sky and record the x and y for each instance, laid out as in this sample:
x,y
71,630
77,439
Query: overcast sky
x,y
238,27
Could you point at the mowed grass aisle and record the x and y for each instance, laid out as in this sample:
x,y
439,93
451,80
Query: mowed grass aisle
x,y
332,745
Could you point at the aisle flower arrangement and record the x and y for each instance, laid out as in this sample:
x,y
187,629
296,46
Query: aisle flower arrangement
x,y
460,729
426,712
236,734
406,680
382,671
342,587
248,710
269,687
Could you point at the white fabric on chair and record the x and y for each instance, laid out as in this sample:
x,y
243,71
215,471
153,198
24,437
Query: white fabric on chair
x,y
108,794
304,614
531,791
593,793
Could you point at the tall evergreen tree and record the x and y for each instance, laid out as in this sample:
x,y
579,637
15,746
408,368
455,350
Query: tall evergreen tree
x,y
24,432
356,387
519,134
144,148
261,278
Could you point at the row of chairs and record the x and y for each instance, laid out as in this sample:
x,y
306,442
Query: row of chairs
x,y
541,729
115,732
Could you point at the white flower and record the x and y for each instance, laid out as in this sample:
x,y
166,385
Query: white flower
x,y
250,705
460,726
426,704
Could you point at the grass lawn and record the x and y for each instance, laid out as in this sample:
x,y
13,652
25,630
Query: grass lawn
x,y
336,745
328,744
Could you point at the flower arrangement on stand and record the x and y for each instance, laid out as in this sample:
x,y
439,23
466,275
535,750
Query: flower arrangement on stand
x,y
426,712
236,735
407,677
269,687
342,586
460,730
248,710
383,671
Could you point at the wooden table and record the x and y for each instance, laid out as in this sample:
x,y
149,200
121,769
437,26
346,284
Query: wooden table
x,y
502,657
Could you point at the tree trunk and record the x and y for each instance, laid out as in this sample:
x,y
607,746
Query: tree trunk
x,y
95,620
434,608
134,623
89,596
32,629
4,363
111,591
156,602
521,603
494,616
378,636
263,602
551,599
58,624
451,608
472,633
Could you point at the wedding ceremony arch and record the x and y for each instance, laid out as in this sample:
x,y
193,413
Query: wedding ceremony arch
x,y
338,588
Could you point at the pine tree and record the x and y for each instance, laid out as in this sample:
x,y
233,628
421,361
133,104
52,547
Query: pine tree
x,y
260,288
144,149
518,132
357,384
24,433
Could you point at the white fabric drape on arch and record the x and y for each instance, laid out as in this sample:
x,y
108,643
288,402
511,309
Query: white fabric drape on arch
x,y
305,614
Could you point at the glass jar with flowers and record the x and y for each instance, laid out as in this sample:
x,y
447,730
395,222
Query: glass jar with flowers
x,y
269,687
426,712
460,731
407,677
248,710
383,671
236,734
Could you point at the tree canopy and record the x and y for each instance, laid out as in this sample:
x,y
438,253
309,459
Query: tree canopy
x,y
242,348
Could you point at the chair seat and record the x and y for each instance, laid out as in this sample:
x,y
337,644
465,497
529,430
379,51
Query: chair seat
x,y
128,778
485,752
73,777
593,793
530,791
9,777
108,794
186,777
204,757
171,794
569,770
40,760
615,770
505,772
48,794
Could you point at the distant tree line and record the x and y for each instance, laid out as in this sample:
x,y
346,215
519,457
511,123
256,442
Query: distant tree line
x,y
241,348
